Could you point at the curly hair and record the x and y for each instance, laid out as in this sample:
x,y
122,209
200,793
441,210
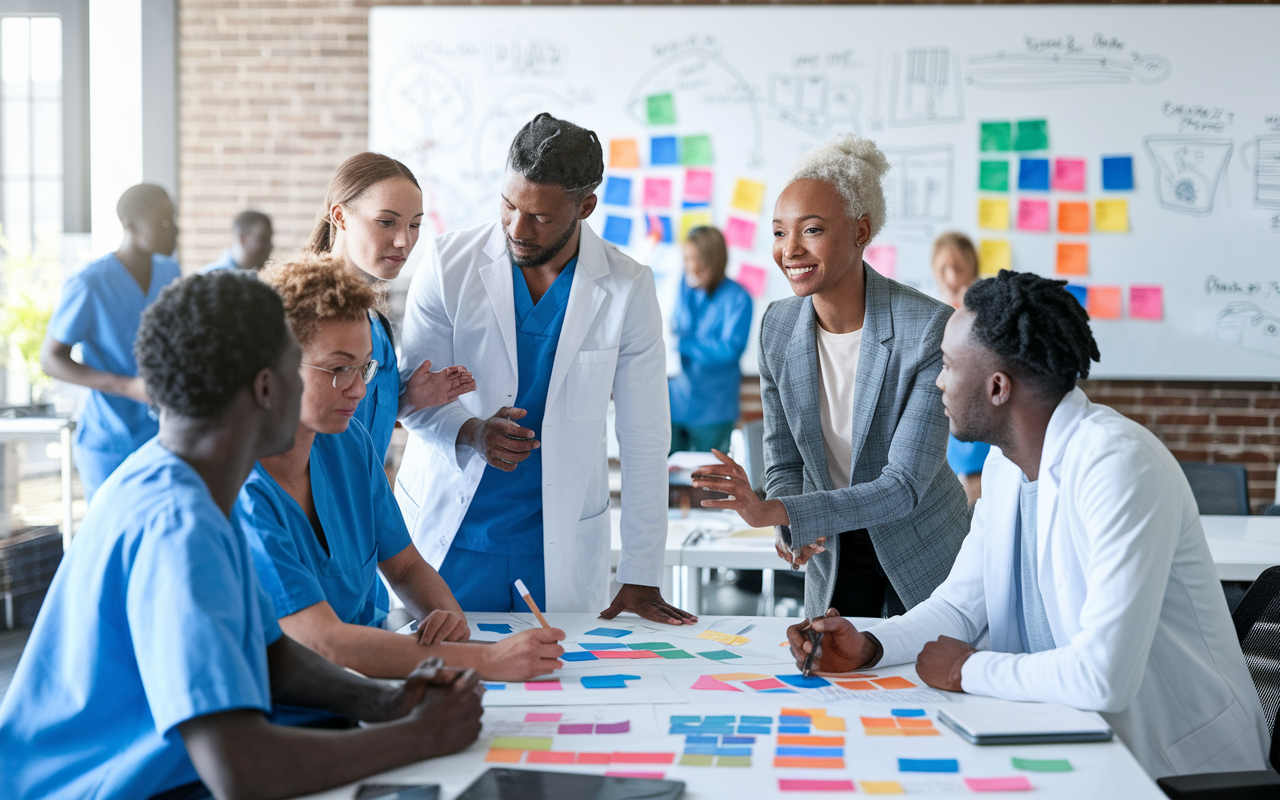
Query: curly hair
x,y
205,338
1035,325
855,167
316,288
555,151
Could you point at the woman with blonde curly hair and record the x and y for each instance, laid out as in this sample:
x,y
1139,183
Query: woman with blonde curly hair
x,y
320,517
855,436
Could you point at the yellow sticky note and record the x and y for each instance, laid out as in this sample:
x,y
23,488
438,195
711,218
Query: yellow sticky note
x,y
688,221
748,195
994,256
1111,216
993,214
883,731
882,787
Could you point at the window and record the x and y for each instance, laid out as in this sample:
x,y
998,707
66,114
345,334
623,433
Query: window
x,y
31,158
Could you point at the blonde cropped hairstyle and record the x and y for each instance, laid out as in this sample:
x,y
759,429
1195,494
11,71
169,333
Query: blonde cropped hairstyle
x,y
855,167
317,288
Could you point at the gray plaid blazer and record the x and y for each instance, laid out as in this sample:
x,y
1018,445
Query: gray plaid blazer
x,y
902,491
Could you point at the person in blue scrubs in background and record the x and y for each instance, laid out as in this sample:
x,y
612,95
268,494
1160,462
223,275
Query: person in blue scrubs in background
x,y
156,655
370,221
321,520
99,310
251,243
712,320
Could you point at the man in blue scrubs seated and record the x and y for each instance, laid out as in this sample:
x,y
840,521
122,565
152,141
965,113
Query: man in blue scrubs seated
x,y
156,656
251,244
321,520
99,310
713,320
1086,565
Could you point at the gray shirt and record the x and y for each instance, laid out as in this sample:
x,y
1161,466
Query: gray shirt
x,y
1033,623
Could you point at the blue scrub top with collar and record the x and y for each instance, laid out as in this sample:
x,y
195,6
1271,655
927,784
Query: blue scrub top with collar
x,y
225,261
381,403
713,331
362,526
966,458
155,617
505,516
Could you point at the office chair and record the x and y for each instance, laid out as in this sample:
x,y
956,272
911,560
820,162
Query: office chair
x,y
1219,488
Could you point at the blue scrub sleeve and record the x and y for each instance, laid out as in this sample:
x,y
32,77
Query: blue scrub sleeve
x,y
726,345
283,574
192,611
73,318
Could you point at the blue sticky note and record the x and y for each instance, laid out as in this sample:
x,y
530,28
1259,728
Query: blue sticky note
x,y
761,729
494,627
576,656
617,191
700,749
745,720
721,729
612,633
699,738
907,712
1033,174
607,681
793,729
737,740
813,752
777,691
617,230
665,222
1117,173
677,720
801,682
690,205
493,687
664,150
1080,293
721,719
793,720
613,646
680,730
923,764
732,751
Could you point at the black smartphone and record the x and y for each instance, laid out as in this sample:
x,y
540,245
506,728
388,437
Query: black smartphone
x,y
393,791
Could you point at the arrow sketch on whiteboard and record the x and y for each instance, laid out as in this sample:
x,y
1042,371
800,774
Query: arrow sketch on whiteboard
x,y
1251,328
1016,72
918,186
1265,169
926,87
811,102
1188,169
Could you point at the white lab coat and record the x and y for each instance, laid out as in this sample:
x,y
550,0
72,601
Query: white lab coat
x,y
1141,625
461,310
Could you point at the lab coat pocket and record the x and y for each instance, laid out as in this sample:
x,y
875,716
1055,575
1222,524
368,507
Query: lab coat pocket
x,y
593,552
589,384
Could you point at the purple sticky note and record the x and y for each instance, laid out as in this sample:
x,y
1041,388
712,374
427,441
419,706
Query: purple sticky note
x,y
740,233
1068,175
657,192
1033,215
614,727
568,728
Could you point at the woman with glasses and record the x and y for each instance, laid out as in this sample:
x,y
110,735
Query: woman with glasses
x,y
321,520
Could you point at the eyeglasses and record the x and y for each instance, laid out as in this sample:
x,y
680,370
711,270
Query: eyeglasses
x,y
344,377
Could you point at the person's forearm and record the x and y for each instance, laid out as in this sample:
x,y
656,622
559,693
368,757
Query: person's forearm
x,y
375,652
423,591
467,433
302,677
71,371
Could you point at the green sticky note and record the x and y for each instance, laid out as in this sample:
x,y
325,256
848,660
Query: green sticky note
x,y
719,655
733,761
695,760
522,743
993,176
674,654
695,150
1033,134
997,136
662,109
652,646
1042,765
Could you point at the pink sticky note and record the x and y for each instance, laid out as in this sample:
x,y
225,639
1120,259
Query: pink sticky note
x,y
1015,784
1068,175
767,683
697,186
626,654
543,686
657,192
813,785
533,716
1033,215
710,683
1146,302
753,279
740,233
883,258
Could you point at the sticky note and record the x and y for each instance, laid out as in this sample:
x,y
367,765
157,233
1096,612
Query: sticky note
x,y
659,228
1016,784
801,682
697,185
993,256
1146,302
878,722
578,656
617,191
642,758
733,761
882,787
763,730
631,654
748,195
617,230
907,712
663,150
739,676
737,740
828,723
594,758
607,681
993,215
1080,293
894,682
624,154
857,686
993,176
661,109
719,655
673,655
1111,216
819,752
494,627
497,756
543,686
533,716
1104,302
1073,258
594,646
802,740
996,136
1033,174
1073,217
740,233
808,762
612,633
657,193
1032,134
551,757
695,150
753,279
812,785
706,682
720,636
1068,175
912,722
693,219
696,759
1033,215
493,687
1042,765
766,683
1117,173
570,728
928,765
650,776
651,646
883,258
522,743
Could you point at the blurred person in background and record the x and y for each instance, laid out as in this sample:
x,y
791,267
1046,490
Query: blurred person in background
x,y
251,244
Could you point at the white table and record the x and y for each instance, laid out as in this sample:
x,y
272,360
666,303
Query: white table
x,y
43,429
1100,769
1242,547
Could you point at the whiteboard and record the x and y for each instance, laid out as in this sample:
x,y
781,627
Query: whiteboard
x,y
1187,93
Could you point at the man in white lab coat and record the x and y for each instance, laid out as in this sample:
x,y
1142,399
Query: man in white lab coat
x,y
511,482
1085,561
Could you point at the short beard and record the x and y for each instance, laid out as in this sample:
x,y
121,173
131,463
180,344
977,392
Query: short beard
x,y
979,427
545,255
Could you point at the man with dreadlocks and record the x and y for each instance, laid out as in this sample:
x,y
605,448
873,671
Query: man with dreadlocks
x,y
1085,562
511,482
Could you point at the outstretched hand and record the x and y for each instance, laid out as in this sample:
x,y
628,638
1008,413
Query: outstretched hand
x,y
843,649
647,602
729,477
426,389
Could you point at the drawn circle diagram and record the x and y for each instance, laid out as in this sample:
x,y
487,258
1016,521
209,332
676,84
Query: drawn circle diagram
x,y
429,103
1151,69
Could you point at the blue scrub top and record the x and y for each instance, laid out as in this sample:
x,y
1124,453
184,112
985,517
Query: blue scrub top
x,y
361,521
381,403
713,331
225,261
155,617
100,310
966,458
505,516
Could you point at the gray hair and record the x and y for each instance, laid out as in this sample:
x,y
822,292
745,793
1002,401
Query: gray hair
x,y
855,167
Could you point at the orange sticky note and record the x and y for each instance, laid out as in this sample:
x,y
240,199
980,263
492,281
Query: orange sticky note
x,y
879,722
857,686
808,762
550,757
594,758
1073,217
825,723
913,722
624,154
798,740
1105,302
504,756
894,682
885,731
919,732
1073,258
